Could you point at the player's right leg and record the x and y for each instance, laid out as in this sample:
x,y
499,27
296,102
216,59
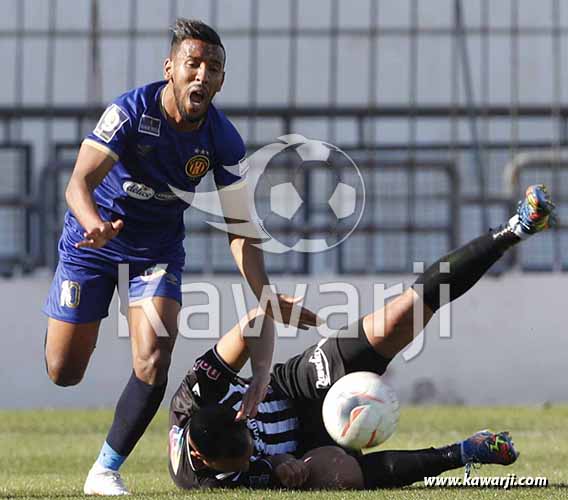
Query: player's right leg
x,y
393,327
78,299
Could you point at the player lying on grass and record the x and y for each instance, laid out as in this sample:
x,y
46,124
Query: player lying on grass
x,y
285,443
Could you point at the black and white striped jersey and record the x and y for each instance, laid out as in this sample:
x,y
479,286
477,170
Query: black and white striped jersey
x,y
275,429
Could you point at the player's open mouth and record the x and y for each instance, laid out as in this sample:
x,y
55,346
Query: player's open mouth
x,y
197,98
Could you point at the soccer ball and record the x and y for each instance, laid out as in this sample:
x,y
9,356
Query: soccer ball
x,y
309,183
360,411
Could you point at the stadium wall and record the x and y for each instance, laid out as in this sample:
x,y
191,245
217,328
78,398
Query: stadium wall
x,y
508,344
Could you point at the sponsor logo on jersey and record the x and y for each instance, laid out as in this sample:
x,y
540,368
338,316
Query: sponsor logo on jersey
x,y
211,372
166,196
321,364
149,125
138,190
197,166
110,123
70,294
252,425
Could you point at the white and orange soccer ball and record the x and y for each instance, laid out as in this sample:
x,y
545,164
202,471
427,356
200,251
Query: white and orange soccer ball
x,y
360,411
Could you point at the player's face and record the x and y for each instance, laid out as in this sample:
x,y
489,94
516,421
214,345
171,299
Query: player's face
x,y
196,72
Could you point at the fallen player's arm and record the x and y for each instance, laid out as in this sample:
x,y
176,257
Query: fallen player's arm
x,y
252,337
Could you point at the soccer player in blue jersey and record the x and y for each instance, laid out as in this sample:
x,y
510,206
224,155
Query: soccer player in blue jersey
x,y
122,210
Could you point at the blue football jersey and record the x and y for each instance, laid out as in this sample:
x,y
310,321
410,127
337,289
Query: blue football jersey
x,y
150,156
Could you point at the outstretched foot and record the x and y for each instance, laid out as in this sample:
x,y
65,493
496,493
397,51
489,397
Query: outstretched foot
x,y
534,214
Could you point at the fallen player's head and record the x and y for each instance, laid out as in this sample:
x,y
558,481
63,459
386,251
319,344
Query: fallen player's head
x,y
195,67
218,440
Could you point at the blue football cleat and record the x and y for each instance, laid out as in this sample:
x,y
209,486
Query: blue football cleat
x,y
486,447
534,214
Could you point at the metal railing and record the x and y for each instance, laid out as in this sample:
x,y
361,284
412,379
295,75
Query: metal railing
x,y
393,83
17,206
377,244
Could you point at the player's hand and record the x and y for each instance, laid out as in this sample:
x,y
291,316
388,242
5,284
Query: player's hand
x,y
101,235
293,473
287,304
256,392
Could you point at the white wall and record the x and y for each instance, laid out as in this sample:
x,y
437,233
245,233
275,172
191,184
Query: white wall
x,y
509,345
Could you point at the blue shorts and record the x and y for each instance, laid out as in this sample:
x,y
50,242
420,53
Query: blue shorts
x,y
82,294
86,278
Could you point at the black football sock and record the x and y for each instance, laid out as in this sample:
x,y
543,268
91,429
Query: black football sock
x,y
393,469
467,265
134,411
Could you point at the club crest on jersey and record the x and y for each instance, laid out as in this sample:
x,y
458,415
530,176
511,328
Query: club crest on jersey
x,y
197,166
110,123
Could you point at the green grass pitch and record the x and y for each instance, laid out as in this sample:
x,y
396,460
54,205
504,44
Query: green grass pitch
x,y
46,454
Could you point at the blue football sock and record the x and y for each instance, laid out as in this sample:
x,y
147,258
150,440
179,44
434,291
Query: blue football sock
x,y
136,407
110,459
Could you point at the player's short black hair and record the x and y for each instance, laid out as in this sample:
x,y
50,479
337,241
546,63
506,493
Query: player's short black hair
x,y
184,28
215,433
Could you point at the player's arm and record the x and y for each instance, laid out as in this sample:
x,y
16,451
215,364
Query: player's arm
x,y
289,471
91,167
235,202
252,338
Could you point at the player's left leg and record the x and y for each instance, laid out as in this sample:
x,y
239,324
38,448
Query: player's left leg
x,y
332,468
153,330
393,469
